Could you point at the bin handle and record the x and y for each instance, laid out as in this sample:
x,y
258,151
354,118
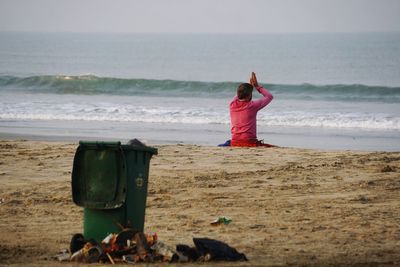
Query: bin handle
x,y
99,143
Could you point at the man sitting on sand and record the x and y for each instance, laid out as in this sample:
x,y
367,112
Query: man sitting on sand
x,y
243,112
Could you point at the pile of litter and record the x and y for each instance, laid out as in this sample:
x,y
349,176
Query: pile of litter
x,y
130,246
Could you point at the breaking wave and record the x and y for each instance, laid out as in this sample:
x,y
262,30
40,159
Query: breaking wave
x,y
93,85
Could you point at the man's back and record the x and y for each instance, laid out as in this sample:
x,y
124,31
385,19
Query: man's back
x,y
244,116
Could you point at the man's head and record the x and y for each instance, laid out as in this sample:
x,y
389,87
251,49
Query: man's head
x,y
245,92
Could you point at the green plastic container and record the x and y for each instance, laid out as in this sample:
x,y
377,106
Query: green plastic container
x,y
110,181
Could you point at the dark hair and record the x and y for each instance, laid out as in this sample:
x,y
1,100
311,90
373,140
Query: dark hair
x,y
244,90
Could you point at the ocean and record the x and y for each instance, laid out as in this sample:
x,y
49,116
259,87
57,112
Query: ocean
x,y
331,91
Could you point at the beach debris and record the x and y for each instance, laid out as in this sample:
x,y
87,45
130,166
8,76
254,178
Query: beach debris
x,y
363,199
215,250
77,243
191,253
130,246
221,220
168,253
388,168
142,247
136,142
63,255
90,253
110,258
151,238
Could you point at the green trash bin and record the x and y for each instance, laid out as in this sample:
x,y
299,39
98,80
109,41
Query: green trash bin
x,y
109,180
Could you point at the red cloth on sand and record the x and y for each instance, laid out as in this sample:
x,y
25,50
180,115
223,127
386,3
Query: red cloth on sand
x,y
249,143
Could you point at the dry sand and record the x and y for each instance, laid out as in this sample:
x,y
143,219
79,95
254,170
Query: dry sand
x,y
288,206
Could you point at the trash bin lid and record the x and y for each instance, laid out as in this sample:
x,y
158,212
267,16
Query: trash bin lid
x,y
99,175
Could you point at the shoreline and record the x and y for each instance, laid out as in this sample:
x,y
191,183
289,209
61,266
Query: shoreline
x,y
288,206
200,134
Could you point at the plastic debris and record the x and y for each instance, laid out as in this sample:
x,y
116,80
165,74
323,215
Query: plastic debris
x,y
217,250
191,253
129,246
131,258
142,247
63,255
221,220
136,142
90,253
108,238
77,243
168,253
151,238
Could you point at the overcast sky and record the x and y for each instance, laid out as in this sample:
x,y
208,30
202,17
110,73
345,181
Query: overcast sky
x,y
200,15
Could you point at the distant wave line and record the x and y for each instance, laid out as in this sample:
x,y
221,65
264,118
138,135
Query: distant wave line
x,y
92,85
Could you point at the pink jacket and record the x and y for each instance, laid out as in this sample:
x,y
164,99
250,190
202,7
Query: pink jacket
x,y
244,113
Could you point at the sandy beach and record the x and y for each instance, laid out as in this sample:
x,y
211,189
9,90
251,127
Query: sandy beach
x,y
288,206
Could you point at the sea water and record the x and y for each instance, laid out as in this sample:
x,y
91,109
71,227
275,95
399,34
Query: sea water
x,y
335,91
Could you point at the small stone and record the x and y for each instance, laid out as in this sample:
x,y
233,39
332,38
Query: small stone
x,y
388,168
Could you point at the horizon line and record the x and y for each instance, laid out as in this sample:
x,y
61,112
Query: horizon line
x,y
198,32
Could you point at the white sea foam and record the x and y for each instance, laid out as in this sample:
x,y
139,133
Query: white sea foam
x,y
190,114
332,120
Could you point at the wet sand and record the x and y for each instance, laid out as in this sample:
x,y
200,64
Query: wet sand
x,y
288,206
